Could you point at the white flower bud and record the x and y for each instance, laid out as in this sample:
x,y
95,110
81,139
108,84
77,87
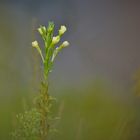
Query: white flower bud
x,y
42,29
35,44
62,30
55,40
65,44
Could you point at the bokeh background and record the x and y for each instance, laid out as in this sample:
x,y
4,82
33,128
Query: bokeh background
x,y
96,80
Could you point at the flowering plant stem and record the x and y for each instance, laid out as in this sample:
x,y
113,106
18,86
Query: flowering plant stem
x,y
44,103
35,124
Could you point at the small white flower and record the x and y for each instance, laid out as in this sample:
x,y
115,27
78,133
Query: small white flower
x,y
65,44
62,30
55,40
44,28
35,44
41,29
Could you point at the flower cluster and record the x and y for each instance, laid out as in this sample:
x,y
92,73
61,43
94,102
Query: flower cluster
x,y
50,42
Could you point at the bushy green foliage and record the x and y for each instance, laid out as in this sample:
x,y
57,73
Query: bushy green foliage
x,y
28,125
35,124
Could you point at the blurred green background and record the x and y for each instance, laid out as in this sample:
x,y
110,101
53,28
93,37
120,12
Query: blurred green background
x,y
96,80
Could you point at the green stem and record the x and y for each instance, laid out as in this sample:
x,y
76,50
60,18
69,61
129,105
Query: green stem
x,y
44,111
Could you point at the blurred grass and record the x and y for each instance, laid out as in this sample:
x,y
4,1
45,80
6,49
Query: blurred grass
x,y
92,113
95,115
